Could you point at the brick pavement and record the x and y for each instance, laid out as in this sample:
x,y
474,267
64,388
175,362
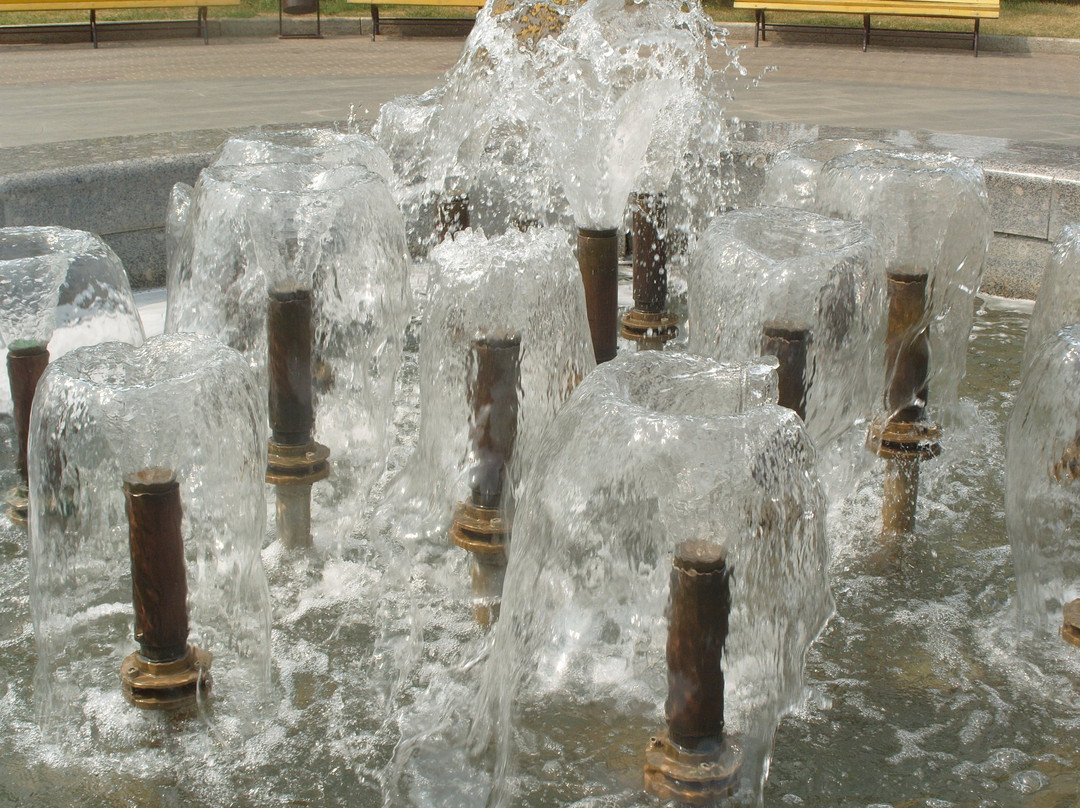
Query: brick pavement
x,y
51,93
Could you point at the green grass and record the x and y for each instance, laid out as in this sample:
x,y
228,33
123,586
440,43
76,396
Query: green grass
x,y
1018,17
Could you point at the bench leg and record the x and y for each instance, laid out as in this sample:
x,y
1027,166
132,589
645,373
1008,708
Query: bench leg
x,y
975,38
374,21
761,12
204,29
93,26
865,32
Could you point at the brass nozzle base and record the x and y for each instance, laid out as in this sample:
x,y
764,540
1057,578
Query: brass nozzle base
x,y
297,465
18,505
166,685
1070,629
483,532
643,326
687,777
902,440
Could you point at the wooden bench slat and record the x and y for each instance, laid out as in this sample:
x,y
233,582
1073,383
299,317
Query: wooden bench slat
x,y
918,8
87,5
444,3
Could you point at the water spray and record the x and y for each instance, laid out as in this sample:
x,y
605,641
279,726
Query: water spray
x,y
26,361
481,525
598,259
648,323
906,436
166,673
294,461
694,762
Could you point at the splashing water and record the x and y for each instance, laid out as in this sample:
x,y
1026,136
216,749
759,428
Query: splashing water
x,y
180,402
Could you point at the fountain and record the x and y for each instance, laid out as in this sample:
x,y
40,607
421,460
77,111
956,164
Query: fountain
x,y
804,288
259,237
59,289
930,217
124,439
1044,453
383,690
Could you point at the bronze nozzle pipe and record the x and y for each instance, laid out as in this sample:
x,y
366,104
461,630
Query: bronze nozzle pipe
x,y
649,252
158,576
789,343
493,398
700,602
695,762
288,327
907,347
598,260
25,365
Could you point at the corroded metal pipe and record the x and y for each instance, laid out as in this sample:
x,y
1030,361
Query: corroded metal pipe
x,y
288,331
907,347
26,362
452,217
481,525
695,762
789,343
598,260
648,323
165,673
906,436
294,461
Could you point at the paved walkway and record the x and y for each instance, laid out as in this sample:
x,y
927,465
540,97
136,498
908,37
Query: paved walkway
x,y
51,93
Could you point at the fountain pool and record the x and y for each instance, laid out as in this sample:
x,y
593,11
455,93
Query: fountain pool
x,y
920,692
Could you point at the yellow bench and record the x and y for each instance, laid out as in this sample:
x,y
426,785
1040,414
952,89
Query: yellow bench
x,y
477,4
959,9
94,5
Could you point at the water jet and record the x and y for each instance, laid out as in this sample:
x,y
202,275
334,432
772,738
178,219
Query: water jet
x,y
295,461
695,762
648,323
907,436
165,673
482,524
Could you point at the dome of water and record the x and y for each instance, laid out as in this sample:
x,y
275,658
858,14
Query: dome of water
x,y
791,177
1058,301
652,450
334,231
1042,493
65,288
323,147
929,214
183,403
525,284
811,279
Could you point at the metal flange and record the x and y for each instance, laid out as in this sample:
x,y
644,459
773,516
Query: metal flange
x,y
1070,629
481,531
642,325
297,465
689,777
18,502
902,440
166,685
